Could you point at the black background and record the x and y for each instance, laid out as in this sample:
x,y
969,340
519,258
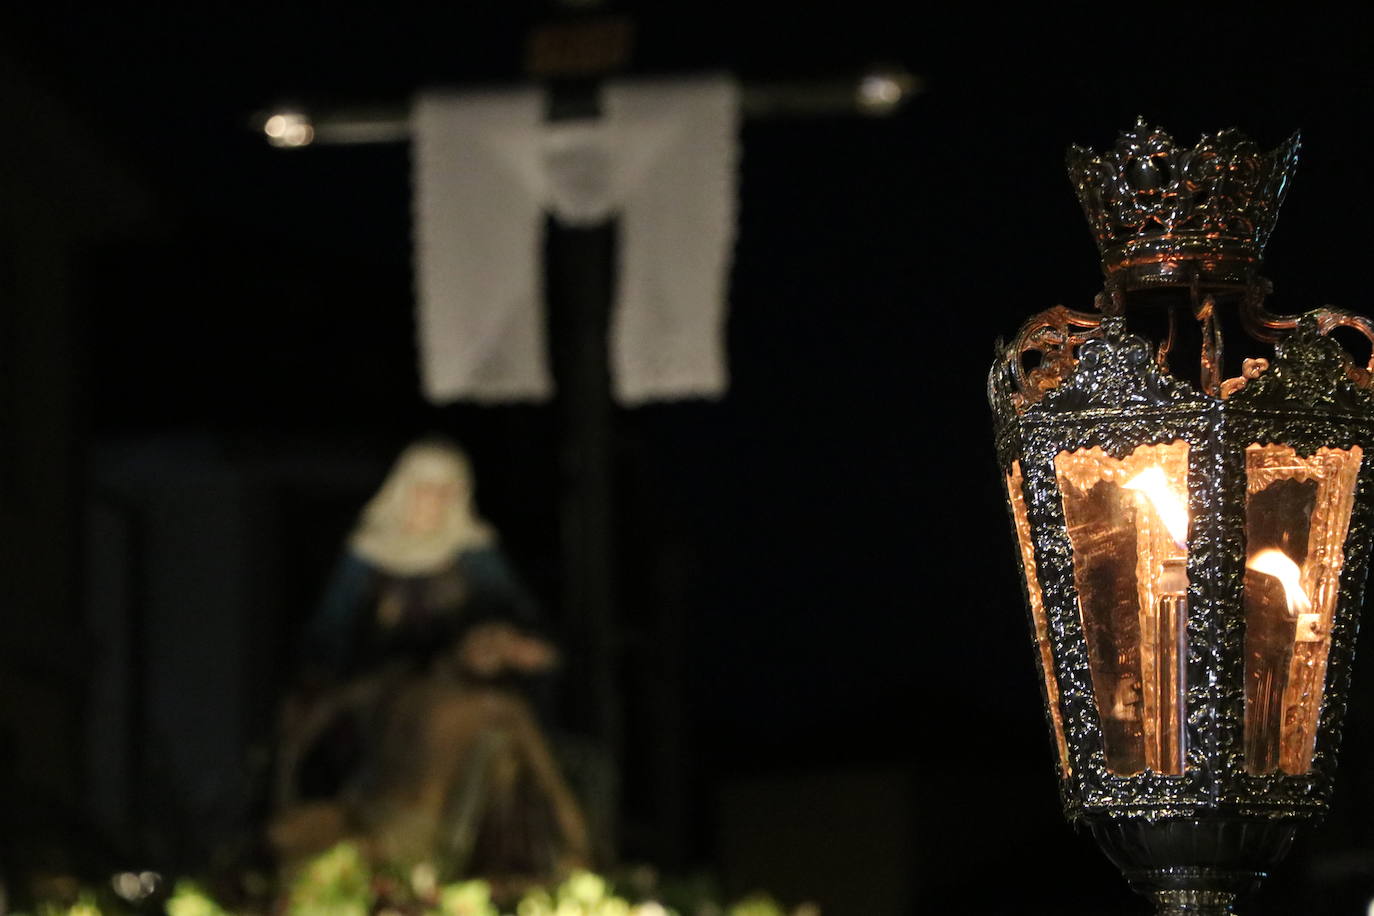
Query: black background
x,y
850,589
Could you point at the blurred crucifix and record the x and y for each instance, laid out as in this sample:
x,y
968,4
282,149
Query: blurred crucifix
x,y
571,56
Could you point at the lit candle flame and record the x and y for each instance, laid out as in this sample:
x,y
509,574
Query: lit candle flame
x,y
1169,505
1276,563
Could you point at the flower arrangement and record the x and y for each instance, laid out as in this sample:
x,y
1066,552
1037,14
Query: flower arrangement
x,y
341,882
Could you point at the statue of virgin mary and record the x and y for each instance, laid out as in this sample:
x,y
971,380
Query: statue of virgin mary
x,y
421,571
413,654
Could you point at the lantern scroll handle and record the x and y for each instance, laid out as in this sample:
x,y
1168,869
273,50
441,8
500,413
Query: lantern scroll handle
x,y
1055,334
1265,325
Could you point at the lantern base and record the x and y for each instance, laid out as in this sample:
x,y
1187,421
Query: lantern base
x,y
1193,903
1199,866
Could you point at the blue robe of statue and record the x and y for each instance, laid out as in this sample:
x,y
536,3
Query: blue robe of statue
x,y
369,617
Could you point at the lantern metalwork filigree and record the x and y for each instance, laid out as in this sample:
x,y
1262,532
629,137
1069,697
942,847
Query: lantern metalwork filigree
x,y
1193,549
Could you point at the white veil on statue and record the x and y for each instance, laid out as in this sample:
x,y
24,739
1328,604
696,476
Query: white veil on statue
x,y
423,515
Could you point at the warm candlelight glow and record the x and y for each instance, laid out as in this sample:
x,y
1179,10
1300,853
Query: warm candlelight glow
x,y
1169,505
1276,563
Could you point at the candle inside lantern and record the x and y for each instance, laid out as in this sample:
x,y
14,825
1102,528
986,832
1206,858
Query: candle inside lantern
x,y
1168,504
1167,626
1278,645
1298,510
1276,563
1127,520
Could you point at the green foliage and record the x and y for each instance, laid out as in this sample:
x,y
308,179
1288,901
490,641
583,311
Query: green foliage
x,y
85,905
190,899
757,905
336,883
341,882
467,898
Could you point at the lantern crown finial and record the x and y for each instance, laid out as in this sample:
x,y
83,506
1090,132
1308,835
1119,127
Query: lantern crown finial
x,y
1165,215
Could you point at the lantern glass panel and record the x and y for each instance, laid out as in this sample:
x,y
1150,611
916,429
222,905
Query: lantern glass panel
x,y
1127,522
1297,516
1016,497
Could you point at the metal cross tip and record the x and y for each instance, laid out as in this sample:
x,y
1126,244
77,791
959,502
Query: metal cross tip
x,y
289,129
882,90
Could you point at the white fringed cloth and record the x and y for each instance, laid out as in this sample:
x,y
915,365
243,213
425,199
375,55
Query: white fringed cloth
x,y
663,158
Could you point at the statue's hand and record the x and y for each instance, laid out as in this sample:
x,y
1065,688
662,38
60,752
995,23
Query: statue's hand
x,y
491,648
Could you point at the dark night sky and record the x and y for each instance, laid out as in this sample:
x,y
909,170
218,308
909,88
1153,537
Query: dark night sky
x,y
853,598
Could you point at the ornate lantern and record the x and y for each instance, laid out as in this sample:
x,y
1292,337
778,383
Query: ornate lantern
x,y
1194,549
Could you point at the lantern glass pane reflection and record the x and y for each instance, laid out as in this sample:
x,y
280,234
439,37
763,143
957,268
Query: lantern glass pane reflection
x,y
1017,499
1296,519
1127,522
